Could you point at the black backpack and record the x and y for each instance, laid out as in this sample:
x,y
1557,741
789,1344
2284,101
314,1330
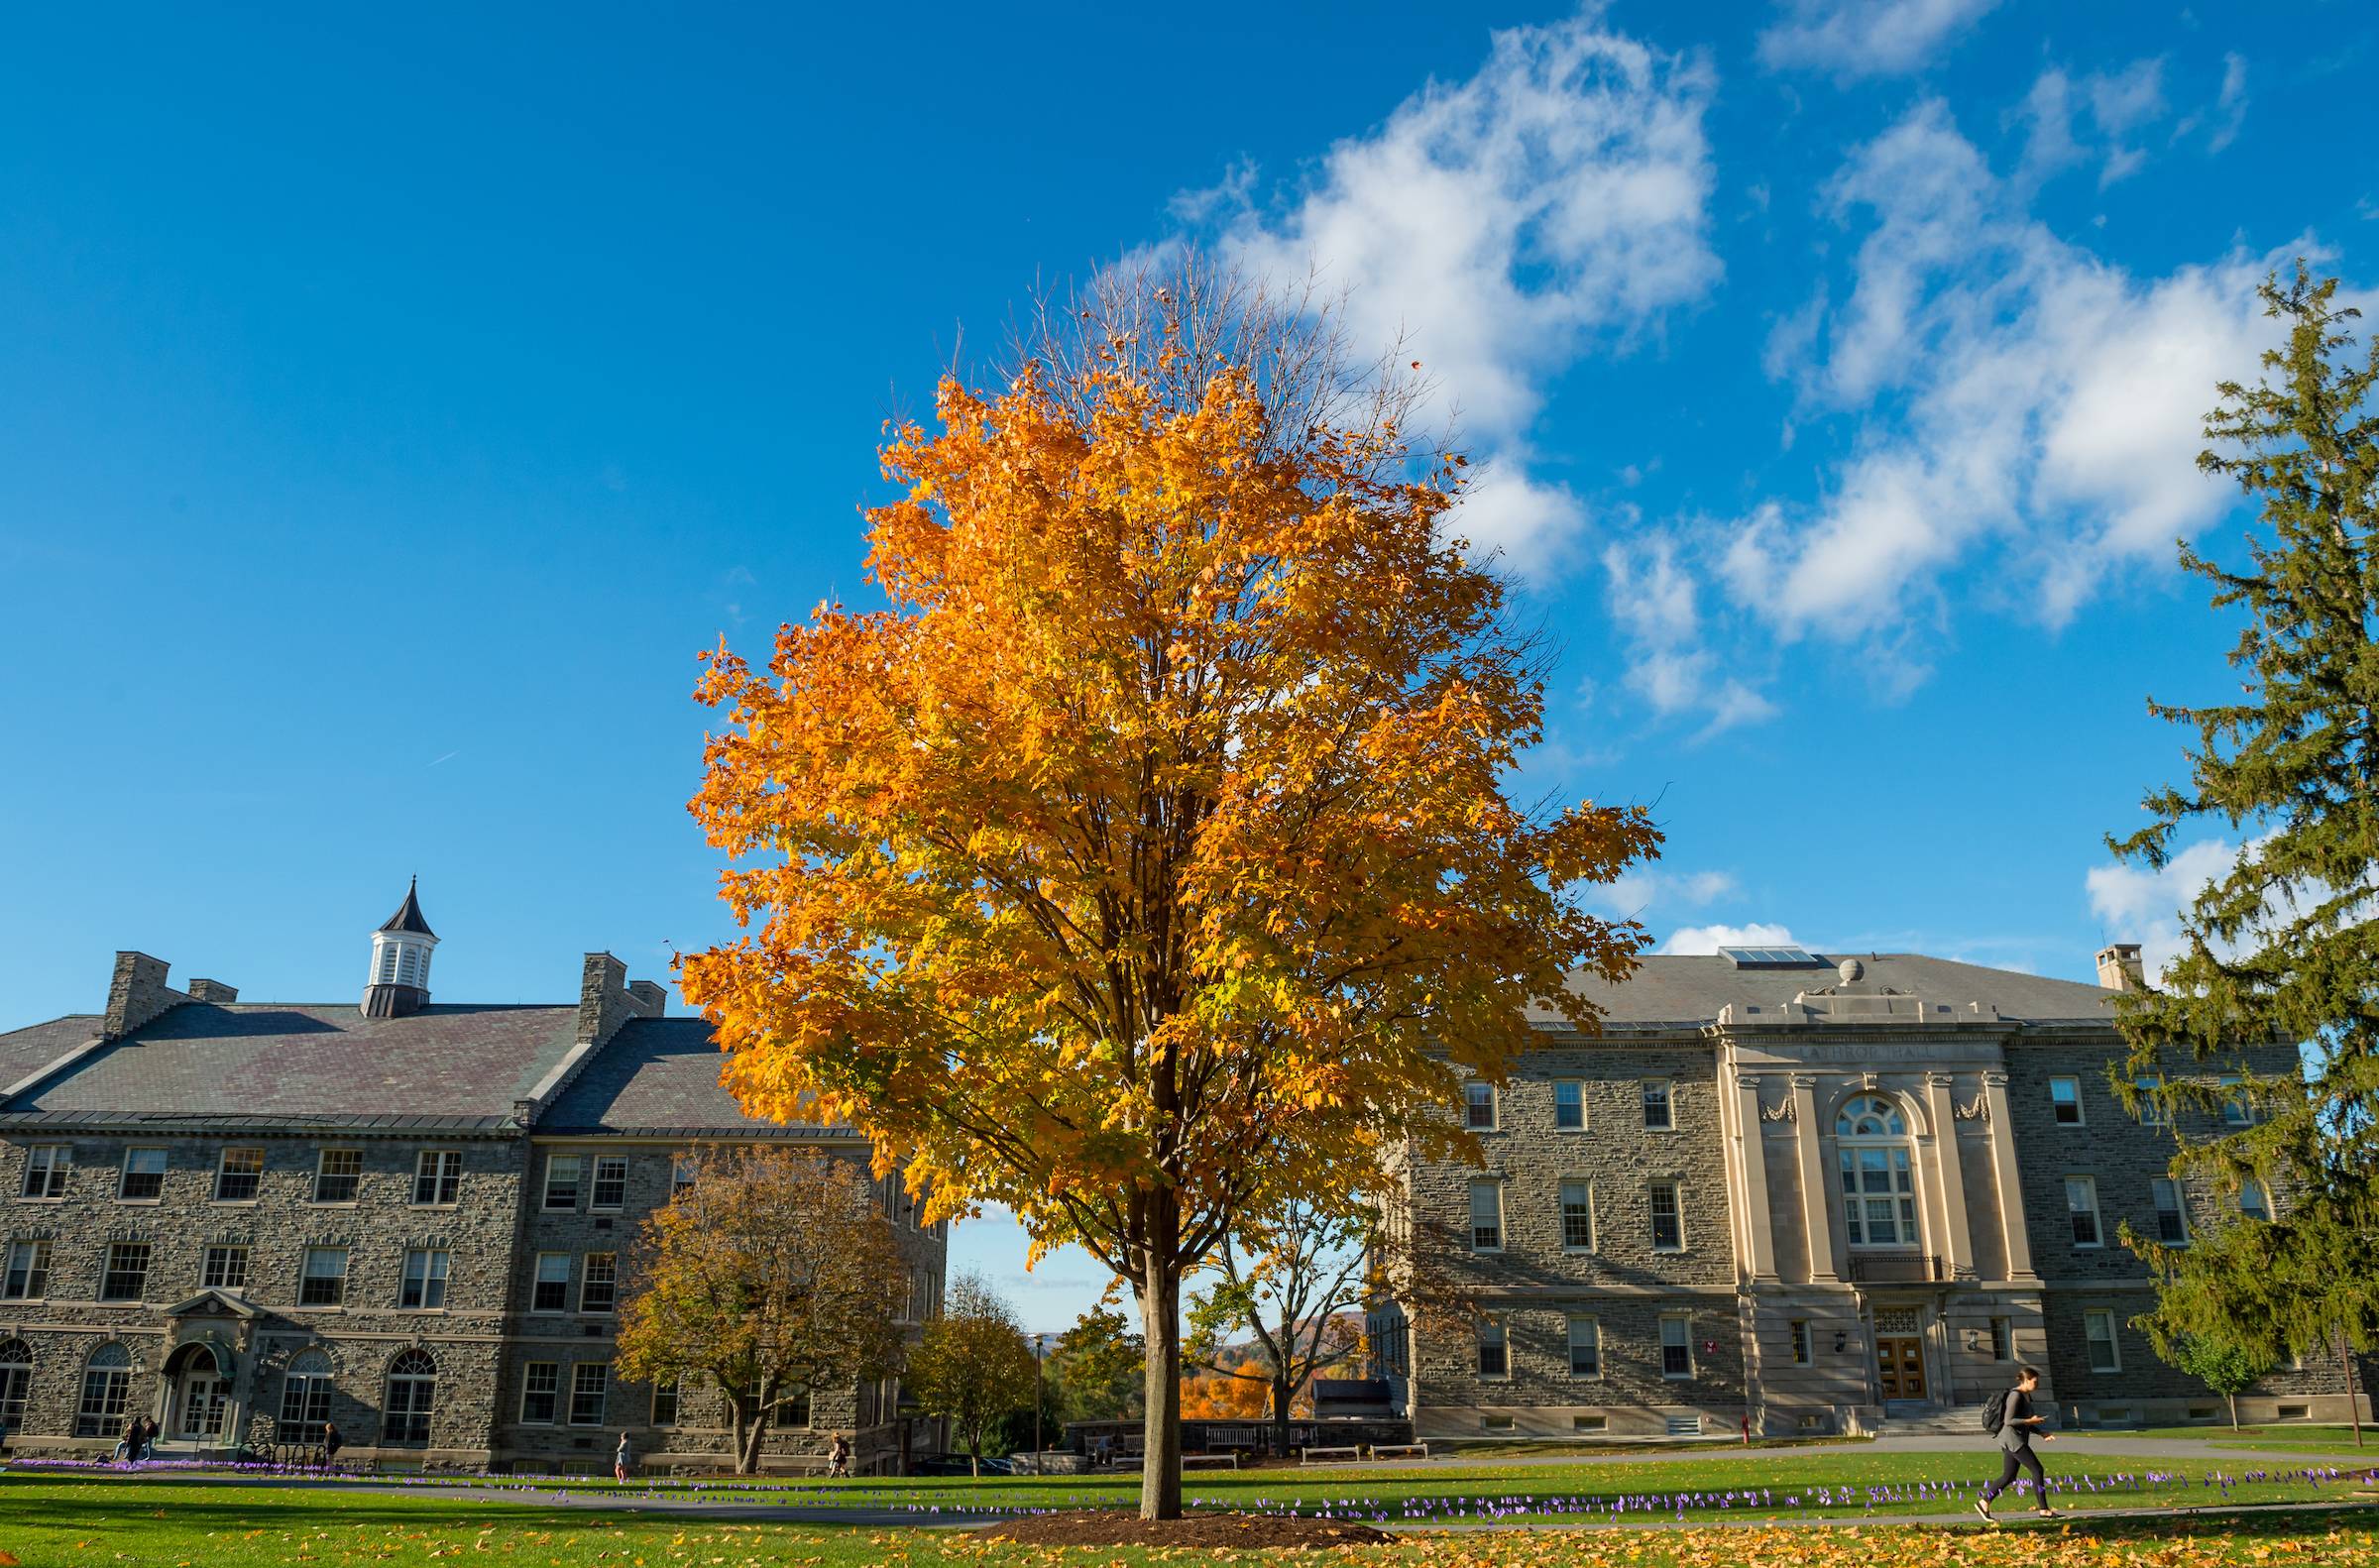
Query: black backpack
x,y
1995,1411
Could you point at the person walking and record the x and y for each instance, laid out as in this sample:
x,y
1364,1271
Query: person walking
x,y
330,1443
837,1457
621,1456
128,1447
2013,1423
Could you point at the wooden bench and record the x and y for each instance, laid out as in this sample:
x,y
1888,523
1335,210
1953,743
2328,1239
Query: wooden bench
x,y
1399,1451
1329,1456
1210,1461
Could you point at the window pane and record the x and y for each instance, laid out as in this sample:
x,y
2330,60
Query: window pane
x,y
1585,1348
1569,1104
337,1178
1577,1215
1655,1103
238,1177
1667,1228
1478,1101
1486,1215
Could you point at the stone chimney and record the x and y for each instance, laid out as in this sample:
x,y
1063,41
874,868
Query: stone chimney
x,y
2120,968
215,991
605,1000
138,993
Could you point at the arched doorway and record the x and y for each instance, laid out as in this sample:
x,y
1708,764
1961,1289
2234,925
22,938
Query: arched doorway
x,y
199,1393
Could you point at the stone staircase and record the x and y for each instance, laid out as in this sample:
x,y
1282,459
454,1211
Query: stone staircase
x,y
1922,1419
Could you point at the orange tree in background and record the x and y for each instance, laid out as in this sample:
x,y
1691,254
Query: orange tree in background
x,y
1150,857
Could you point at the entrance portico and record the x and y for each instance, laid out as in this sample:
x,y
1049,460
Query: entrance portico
x,y
204,1383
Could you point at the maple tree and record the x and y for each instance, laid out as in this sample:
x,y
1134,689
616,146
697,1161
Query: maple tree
x,y
1150,855
774,1273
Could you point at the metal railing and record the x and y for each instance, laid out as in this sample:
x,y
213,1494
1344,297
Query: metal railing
x,y
1897,1267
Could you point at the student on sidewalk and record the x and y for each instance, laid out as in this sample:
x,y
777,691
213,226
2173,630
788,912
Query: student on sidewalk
x,y
621,1457
2013,1423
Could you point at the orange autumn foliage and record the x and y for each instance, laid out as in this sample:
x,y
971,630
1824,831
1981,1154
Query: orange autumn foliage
x,y
1150,856
1220,1396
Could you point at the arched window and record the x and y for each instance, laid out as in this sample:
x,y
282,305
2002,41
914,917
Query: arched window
x,y
106,1391
1879,1180
306,1394
412,1391
16,1381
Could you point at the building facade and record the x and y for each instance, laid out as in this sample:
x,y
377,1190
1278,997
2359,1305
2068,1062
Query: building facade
x,y
408,1218
1807,1194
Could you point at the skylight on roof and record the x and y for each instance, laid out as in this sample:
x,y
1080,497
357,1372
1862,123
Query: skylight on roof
x,y
1772,957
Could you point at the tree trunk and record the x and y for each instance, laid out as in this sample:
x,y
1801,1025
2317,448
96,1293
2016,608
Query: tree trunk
x,y
2345,1361
737,1415
1280,1417
1160,1324
2233,1398
975,1453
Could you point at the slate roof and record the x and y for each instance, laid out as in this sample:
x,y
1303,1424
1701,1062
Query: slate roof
x,y
454,1063
1690,990
659,1076
35,1046
409,914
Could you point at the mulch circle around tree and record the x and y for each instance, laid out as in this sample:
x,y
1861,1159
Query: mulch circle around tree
x,y
1121,1527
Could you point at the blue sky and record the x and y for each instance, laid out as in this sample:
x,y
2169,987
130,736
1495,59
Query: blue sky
x,y
392,407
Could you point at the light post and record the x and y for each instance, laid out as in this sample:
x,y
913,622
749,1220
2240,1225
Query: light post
x,y
1040,1344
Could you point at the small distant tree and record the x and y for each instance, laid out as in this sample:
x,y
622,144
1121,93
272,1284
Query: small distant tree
x,y
1289,1282
1097,1366
2221,1363
973,1366
774,1273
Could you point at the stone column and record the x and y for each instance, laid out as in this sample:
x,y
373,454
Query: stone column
x,y
1758,1223
1817,1210
2010,1182
1958,1243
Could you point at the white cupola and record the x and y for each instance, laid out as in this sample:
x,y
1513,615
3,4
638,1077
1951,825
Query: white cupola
x,y
398,982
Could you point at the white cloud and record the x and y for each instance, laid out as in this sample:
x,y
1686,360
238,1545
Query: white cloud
x,y
2016,393
1497,224
1709,938
1639,893
2136,904
1854,39
1653,601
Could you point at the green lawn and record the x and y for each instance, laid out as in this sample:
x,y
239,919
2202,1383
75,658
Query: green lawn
x,y
46,1521
1805,1483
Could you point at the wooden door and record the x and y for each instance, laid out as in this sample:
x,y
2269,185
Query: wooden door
x,y
1900,1367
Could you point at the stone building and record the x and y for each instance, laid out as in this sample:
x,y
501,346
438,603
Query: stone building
x,y
1809,1193
413,1219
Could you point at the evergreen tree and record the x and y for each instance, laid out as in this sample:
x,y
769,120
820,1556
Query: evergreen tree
x,y
2283,946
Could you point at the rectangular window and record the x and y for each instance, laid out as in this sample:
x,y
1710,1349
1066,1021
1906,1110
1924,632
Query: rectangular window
x,y
2105,1354
1578,1216
589,1383
1800,1342
1585,1348
27,1277
304,1400
2236,1112
2151,1107
226,1268
611,1183
561,1181
1478,1106
1569,1105
424,1286
324,1281
2002,1339
2172,1214
551,1293
2065,1101
1668,1218
1658,1112
667,1395
239,1175
1486,1214
792,1412
1878,1196
127,1274
681,1172
1494,1357
540,1391
599,1284
438,1177
45,1168
2253,1202
337,1174
1677,1347
144,1176
2082,1204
